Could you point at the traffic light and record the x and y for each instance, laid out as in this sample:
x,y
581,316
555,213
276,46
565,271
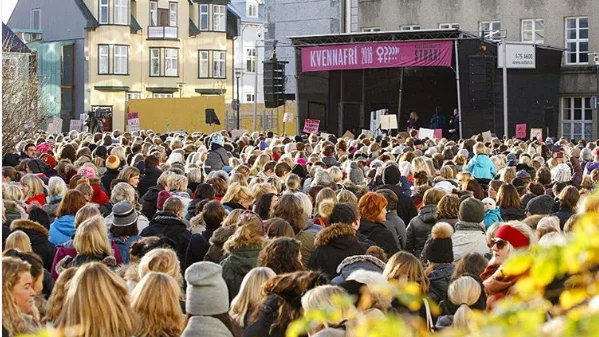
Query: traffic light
x,y
274,83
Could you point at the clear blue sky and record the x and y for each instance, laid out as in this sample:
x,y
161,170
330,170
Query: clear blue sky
x,y
7,7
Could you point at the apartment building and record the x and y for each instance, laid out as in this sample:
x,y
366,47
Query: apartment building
x,y
102,53
571,25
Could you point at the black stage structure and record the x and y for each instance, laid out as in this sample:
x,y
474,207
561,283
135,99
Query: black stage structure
x,y
343,99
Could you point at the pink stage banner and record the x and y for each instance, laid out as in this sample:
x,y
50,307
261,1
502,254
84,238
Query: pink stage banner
x,y
377,55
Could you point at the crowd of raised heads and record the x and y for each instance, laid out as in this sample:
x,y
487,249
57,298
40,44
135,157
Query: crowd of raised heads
x,y
187,234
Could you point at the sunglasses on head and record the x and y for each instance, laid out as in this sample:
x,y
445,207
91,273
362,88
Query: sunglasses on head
x,y
499,243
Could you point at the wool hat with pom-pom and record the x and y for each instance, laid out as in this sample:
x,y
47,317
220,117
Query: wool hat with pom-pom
x,y
440,248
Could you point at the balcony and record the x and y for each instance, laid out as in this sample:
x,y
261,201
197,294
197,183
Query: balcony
x,y
167,32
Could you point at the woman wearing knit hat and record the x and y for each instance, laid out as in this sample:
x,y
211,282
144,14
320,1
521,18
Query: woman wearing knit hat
x,y
113,164
469,236
439,254
508,238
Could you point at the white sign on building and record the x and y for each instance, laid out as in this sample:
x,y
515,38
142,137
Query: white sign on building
x,y
518,56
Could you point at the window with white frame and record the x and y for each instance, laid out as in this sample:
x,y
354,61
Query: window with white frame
x,y
410,27
220,16
153,13
103,59
154,61
577,118
172,6
577,40
104,12
204,17
371,29
158,95
204,65
250,60
121,12
121,60
36,19
490,30
249,97
218,60
533,31
171,62
449,26
252,10
133,95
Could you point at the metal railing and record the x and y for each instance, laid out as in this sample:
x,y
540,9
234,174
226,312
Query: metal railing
x,y
166,32
267,120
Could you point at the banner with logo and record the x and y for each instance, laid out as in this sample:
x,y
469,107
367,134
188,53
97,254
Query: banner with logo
x,y
377,55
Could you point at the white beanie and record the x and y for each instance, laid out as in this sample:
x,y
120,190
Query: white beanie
x,y
561,173
207,292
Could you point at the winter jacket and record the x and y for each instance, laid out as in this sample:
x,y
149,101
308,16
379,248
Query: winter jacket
x,y
268,313
13,211
497,285
185,199
198,247
62,229
168,225
396,226
38,235
142,221
216,159
469,237
590,166
205,326
148,179
68,250
231,206
149,201
481,167
238,263
380,235
439,280
107,178
79,260
219,237
492,216
307,237
512,213
406,209
51,207
420,228
357,262
576,170
332,245
40,199
564,214
191,208
123,244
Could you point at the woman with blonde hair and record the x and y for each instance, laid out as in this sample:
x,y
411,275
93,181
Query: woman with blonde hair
x,y
243,248
17,298
481,165
97,304
447,209
163,260
249,296
155,305
18,240
464,294
56,301
130,175
323,298
237,197
421,164
120,153
33,189
404,267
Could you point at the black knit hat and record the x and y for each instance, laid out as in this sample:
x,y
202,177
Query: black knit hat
x,y
391,175
471,210
40,216
542,204
440,248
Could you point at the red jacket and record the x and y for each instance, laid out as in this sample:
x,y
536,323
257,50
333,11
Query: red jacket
x,y
40,199
100,196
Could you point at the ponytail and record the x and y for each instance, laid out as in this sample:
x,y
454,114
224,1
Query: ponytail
x,y
461,317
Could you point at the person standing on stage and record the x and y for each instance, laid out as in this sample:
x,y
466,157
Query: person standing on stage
x,y
414,121
454,125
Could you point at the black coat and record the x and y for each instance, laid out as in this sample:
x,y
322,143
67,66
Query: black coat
x,y
149,179
420,228
168,225
107,178
38,235
268,315
198,247
332,245
405,205
380,235
149,201
512,213
191,208
439,280
563,214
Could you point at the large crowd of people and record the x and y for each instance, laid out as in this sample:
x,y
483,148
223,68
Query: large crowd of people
x,y
186,234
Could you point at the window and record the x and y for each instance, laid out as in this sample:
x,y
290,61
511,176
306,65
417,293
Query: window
x,y
121,62
204,15
203,64
156,95
154,61
36,19
410,27
449,26
218,59
252,11
171,62
249,97
103,59
577,119
250,60
533,30
121,12
219,18
104,12
491,30
172,6
577,40
133,95
153,13
371,29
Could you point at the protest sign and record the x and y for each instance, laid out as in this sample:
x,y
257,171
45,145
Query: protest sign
x,y
367,133
521,130
236,133
75,125
133,121
388,122
536,133
438,134
348,134
487,137
404,134
426,133
287,117
311,125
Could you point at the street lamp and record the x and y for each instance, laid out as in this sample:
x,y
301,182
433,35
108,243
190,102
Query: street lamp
x,y
236,106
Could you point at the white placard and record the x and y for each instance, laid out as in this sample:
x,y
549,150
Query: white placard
x,y
426,133
75,125
287,117
389,122
518,56
238,132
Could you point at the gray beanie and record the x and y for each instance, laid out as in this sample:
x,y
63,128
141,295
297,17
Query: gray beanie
x,y
356,176
207,292
471,210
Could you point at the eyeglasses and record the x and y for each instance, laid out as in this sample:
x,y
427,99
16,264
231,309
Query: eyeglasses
x,y
499,243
